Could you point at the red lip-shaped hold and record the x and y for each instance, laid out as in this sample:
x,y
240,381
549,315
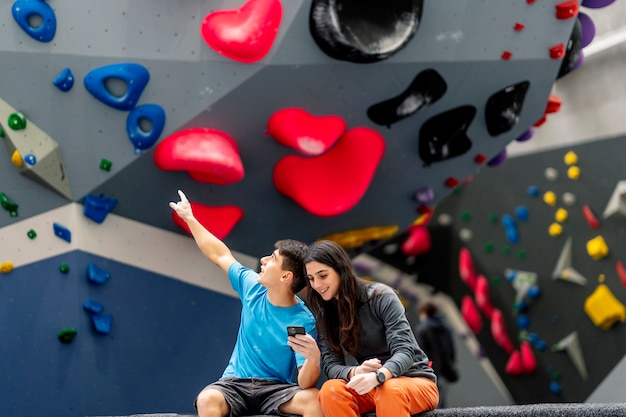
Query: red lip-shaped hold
x,y
309,134
245,34
208,155
217,220
332,183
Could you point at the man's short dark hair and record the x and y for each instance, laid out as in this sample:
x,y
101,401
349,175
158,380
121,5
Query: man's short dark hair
x,y
293,253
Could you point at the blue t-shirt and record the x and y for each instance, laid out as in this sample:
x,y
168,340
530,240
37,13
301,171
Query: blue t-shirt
x,y
261,350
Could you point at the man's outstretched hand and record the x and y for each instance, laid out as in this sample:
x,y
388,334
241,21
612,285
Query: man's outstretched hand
x,y
183,207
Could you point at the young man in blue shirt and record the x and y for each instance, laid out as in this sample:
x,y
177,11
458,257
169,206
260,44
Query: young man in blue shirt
x,y
258,378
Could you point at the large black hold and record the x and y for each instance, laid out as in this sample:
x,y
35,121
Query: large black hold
x,y
427,87
363,31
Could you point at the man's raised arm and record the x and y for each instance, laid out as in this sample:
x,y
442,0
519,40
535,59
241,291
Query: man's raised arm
x,y
213,248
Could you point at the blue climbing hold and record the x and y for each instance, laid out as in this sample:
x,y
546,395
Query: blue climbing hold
x,y
523,321
62,232
141,139
101,323
555,387
533,191
97,275
30,159
135,76
521,212
533,292
97,208
510,228
65,80
93,307
24,10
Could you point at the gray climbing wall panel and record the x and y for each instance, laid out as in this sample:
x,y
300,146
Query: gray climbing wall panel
x,y
463,41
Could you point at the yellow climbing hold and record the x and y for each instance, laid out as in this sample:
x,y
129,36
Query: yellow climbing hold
x,y
571,158
597,248
561,215
549,198
17,160
6,267
603,308
555,230
573,173
356,238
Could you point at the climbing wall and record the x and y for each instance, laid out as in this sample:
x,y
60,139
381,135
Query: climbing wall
x,y
558,279
322,126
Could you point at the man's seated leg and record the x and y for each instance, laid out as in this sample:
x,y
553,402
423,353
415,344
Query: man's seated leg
x,y
211,403
304,403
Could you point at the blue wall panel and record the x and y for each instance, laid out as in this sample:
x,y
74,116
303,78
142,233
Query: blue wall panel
x,y
168,340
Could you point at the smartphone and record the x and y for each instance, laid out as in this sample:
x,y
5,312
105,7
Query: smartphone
x,y
294,330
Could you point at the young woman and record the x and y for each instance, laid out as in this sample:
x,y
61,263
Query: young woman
x,y
366,321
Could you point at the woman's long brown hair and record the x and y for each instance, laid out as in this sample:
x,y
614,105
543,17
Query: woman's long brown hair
x,y
337,319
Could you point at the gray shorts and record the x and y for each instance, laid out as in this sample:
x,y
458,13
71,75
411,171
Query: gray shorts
x,y
248,396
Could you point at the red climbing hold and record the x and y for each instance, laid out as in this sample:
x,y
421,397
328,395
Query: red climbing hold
x,y
481,295
418,241
554,104
304,132
217,220
621,272
529,362
334,182
591,218
470,314
499,333
208,155
245,34
466,268
514,365
557,51
567,9
451,182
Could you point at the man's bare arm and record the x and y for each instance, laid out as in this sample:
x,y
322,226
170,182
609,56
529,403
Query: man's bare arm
x,y
213,248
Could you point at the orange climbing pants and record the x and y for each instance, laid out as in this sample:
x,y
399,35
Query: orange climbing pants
x,y
397,397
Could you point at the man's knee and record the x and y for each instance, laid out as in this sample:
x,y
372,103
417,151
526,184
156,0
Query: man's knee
x,y
304,403
212,400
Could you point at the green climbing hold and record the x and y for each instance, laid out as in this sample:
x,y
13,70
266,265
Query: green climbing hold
x,y
465,216
64,267
31,234
521,254
495,280
506,250
489,247
556,375
105,164
493,219
2,134
67,335
8,205
17,121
